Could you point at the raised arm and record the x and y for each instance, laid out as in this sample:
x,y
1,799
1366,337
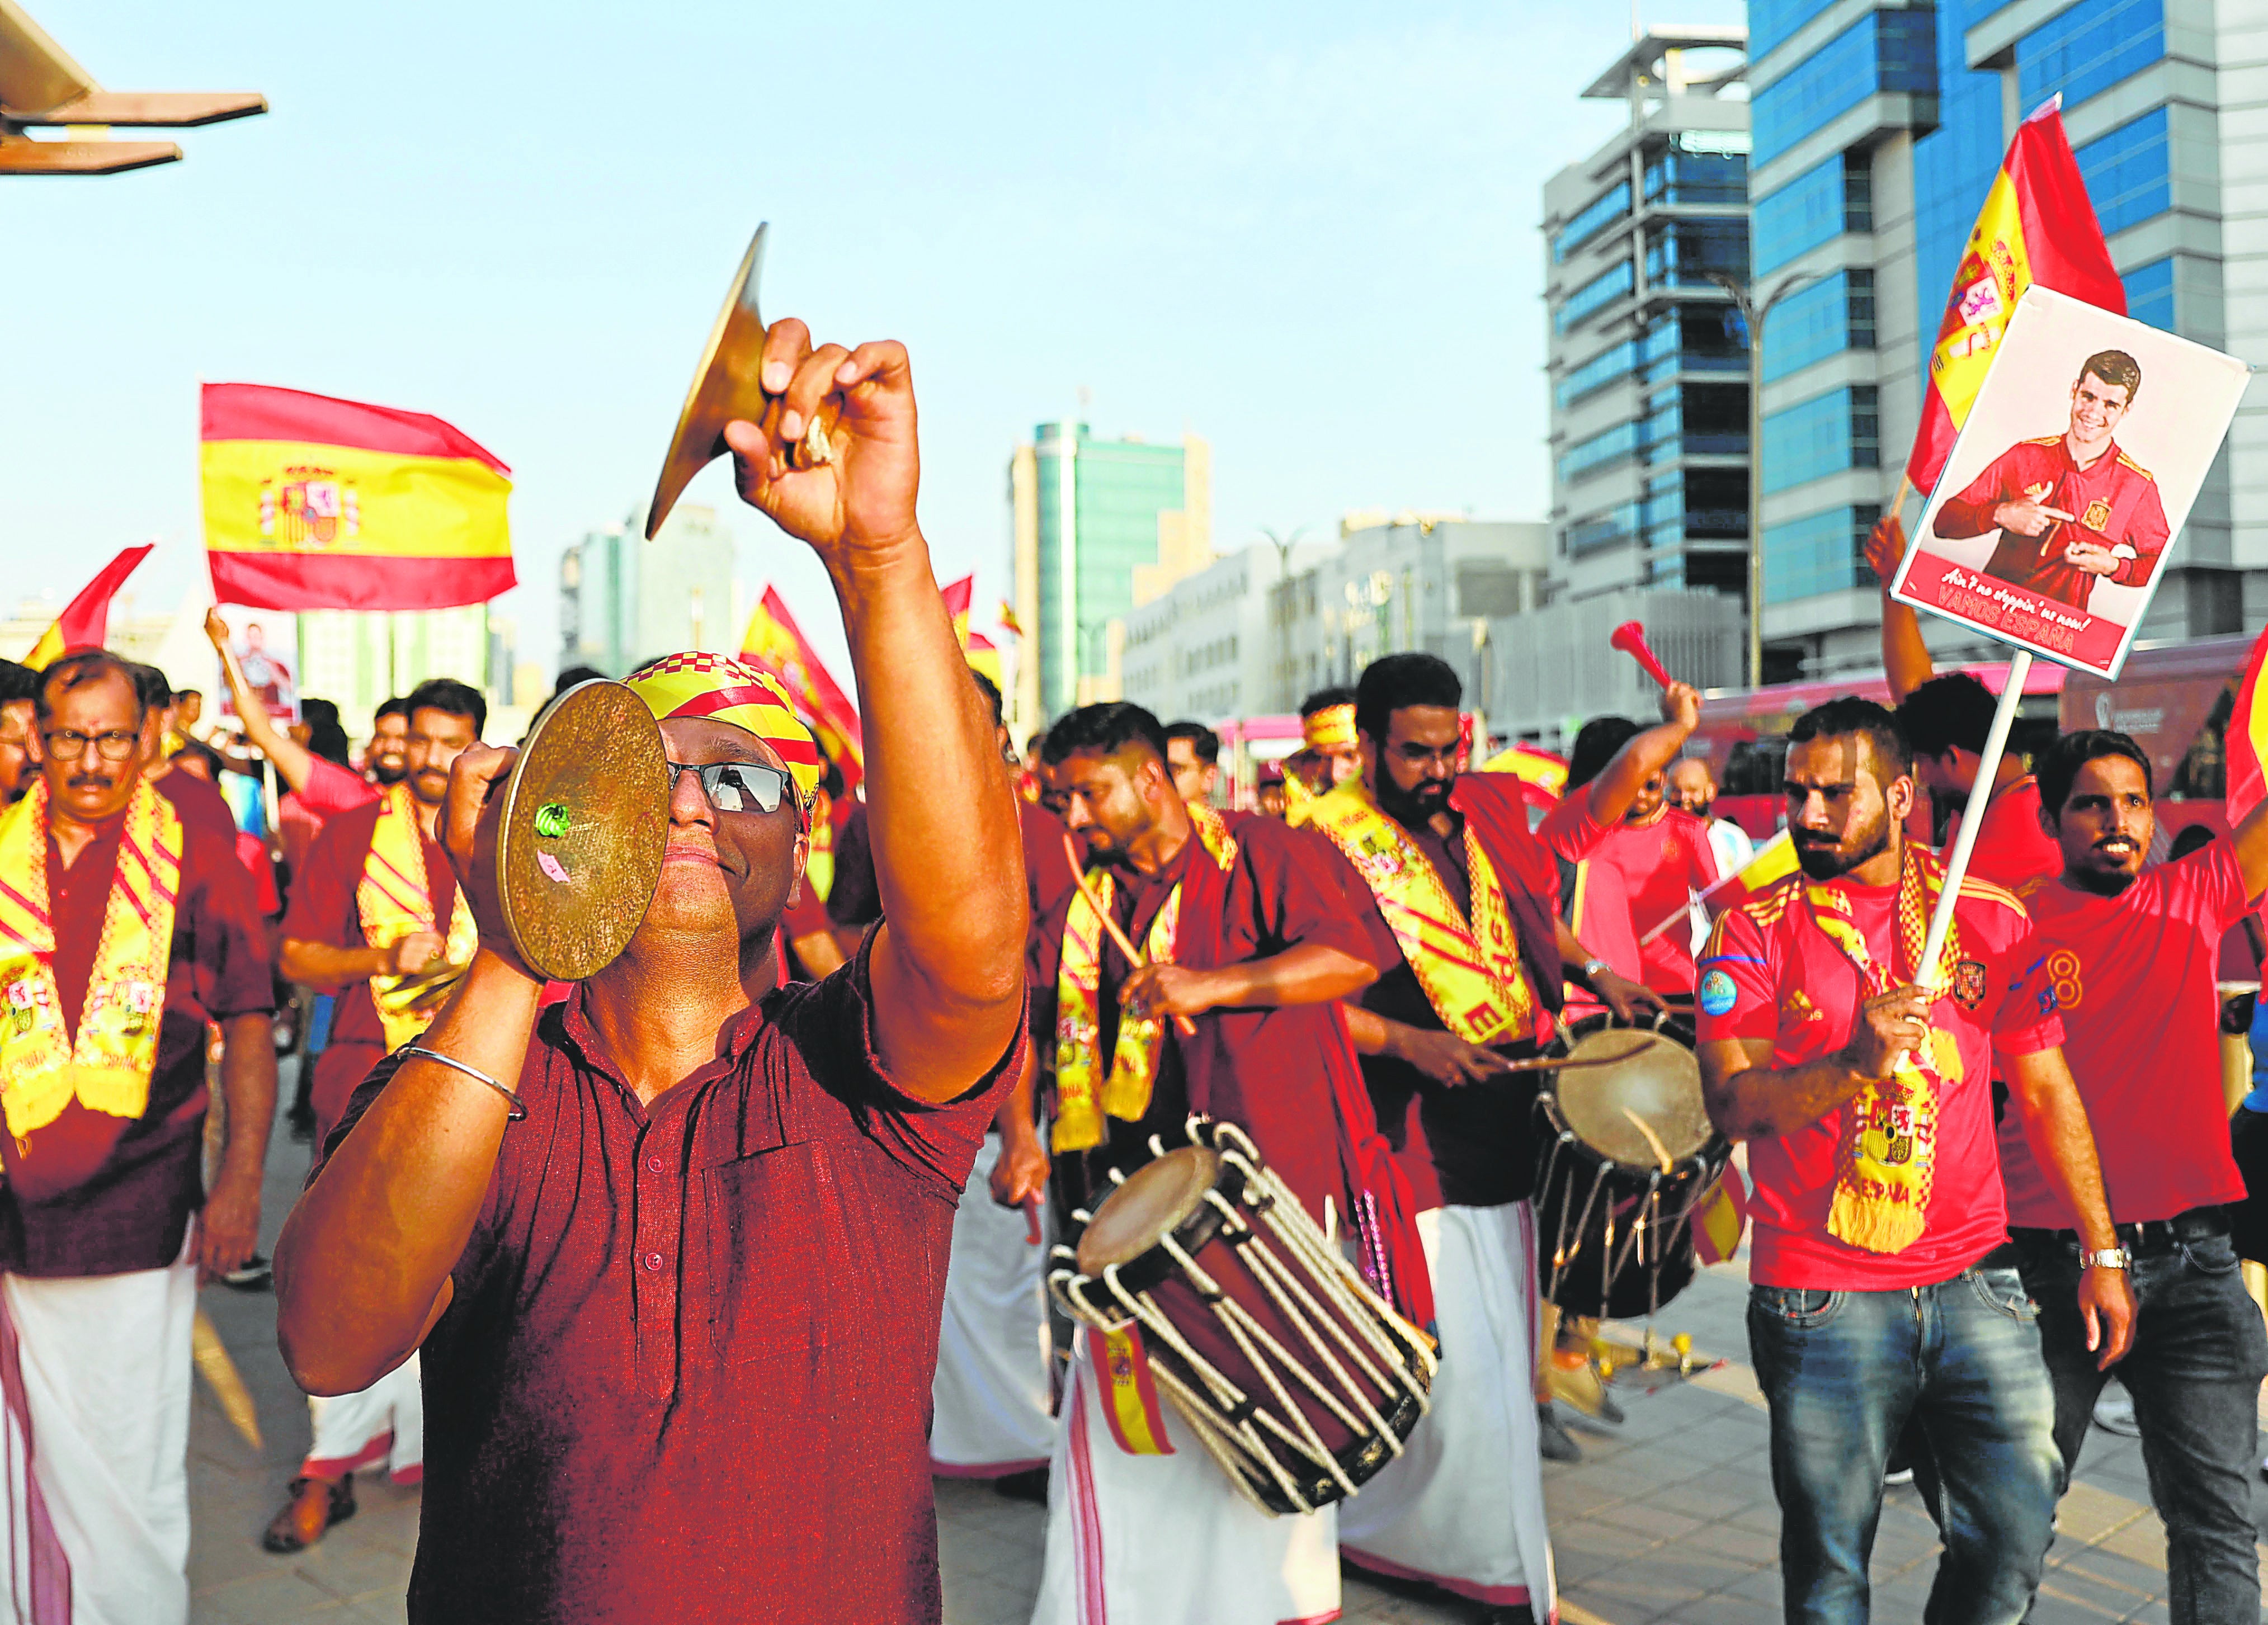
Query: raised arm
x,y
361,1268
1906,659
947,966
294,761
1645,755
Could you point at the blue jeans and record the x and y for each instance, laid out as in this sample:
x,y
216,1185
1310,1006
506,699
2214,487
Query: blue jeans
x,y
2199,1353
1842,1371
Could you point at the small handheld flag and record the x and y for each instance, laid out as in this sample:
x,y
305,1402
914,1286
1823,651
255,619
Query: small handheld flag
x,y
774,643
1774,862
312,502
2036,226
85,620
1129,1391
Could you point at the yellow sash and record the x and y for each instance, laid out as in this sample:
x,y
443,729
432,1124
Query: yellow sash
x,y
1887,1165
1123,1092
1298,800
107,1068
394,901
1471,972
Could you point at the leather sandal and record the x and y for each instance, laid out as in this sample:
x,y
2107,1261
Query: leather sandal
x,y
314,1506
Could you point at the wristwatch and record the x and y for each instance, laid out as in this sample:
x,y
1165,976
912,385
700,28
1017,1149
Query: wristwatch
x,y
2108,1258
1592,967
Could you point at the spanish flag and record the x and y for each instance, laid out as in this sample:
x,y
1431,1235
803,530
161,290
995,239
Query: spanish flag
x,y
1539,768
1128,1391
976,648
1773,863
1719,1216
2246,742
317,503
2036,226
775,643
85,620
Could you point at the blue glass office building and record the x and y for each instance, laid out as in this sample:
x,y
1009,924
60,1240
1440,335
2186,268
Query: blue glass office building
x,y
1649,378
1876,130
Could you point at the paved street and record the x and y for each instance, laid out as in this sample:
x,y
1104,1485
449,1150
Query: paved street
x,y
1668,1518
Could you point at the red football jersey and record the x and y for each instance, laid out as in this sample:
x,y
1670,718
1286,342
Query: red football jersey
x,y
1661,864
2132,978
2012,851
2113,501
1770,972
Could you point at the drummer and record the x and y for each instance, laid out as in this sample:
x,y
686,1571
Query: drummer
x,y
1251,935
1440,854
680,1321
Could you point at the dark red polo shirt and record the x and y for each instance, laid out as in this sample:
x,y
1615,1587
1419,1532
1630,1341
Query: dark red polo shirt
x,y
686,1373
132,1213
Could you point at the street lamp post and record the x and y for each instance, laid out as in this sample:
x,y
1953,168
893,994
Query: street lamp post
x,y
1753,312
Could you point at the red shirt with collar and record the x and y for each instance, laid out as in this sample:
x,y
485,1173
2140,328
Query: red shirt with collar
x,y
685,1374
2113,501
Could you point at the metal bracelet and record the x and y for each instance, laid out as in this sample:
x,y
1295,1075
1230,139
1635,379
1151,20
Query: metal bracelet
x,y
519,1111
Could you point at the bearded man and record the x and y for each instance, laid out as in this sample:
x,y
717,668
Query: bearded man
x,y
677,1326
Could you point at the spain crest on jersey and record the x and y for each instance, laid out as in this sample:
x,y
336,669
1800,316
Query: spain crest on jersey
x,y
1969,984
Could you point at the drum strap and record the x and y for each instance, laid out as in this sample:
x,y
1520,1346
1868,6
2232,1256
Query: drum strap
x,y
393,900
1471,971
1086,1093
1886,1167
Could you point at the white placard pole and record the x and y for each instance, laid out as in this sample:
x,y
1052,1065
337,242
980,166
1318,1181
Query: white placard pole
x,y
1980,794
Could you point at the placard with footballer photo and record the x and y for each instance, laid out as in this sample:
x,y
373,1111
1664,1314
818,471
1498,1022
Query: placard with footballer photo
x,y
2081,455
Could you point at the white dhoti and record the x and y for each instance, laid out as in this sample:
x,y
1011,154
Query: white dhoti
x,y
385,1422
1463,1505
992,1389
1153,1540
96,1372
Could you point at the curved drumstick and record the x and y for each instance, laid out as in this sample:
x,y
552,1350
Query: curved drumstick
x,y
1553,1064
1652,1139
1187,1027
1629,638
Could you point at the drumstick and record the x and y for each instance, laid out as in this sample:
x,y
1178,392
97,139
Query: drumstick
x,y
1652,1139
1552,1063
1187,1028
1032,1221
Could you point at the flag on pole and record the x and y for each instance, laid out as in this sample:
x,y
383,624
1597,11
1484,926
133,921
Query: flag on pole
x,y
2036,226
775,643
1773,863
977,649
1719,1217
317,503
85,620
1539,768
1009,624
2246,742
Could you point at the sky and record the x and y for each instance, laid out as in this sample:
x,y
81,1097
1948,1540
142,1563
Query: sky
x,y
1306,232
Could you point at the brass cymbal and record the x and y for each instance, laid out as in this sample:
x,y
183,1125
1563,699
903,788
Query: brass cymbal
x,y
585,819
724,387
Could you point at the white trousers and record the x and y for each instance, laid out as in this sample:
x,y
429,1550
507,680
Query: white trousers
x,y
385,1422
1463,1505
103,1363
1167,1539
991,1391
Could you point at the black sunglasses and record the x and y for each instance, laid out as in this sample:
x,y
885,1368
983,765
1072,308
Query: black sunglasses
x,y
736,786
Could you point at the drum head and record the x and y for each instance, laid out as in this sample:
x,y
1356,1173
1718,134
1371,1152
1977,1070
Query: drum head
x,y
1150,1206
1660,1083
585,817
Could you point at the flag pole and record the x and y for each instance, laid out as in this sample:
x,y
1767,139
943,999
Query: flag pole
x,y
1988,769
1713,887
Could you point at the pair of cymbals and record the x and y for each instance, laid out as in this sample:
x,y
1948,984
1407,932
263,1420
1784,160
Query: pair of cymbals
x,y
584,824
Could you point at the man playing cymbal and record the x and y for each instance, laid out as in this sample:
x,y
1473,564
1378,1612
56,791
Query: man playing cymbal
x,y
679,1323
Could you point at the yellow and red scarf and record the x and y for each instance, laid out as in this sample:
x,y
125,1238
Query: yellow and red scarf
x,y
1471,970
107,1068
1086,1093
394,901
1887,1166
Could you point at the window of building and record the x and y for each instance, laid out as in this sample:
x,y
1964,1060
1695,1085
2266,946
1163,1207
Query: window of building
x,y
2126,173
1692,338
1616,524
1824,435
1682,173
2150,293
1835,314
1714,418
1772,21
1594,218
1596,295
1823,552
2089,48
1610,366
1817,207
1684,254
1884,51
1599,451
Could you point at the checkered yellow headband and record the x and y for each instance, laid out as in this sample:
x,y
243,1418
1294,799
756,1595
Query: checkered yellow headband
x,y
1333,725
718,685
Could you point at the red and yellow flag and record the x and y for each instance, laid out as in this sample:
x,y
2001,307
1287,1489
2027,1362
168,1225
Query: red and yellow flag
x,y
85,620
1719,1217
977,649
2246,742
1128,1391
317,503
2036,226
774,643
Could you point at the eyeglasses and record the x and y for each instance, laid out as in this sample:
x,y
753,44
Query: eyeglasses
x,y
735,786
69,744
